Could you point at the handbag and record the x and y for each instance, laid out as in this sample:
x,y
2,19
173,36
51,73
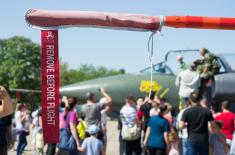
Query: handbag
x,y
67,142
131,133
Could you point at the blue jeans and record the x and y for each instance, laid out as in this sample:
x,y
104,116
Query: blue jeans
x,y
184,146
197,148
122,144
22,142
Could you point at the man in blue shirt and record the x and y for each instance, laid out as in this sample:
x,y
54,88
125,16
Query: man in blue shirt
x,y
6,140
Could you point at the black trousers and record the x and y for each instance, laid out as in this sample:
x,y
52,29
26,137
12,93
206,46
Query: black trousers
x,y
3,150
133,146
51,149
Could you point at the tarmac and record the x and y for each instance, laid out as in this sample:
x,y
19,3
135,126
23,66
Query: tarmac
x,y
112,146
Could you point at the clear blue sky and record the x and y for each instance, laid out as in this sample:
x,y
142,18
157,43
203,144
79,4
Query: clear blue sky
x,y
122,49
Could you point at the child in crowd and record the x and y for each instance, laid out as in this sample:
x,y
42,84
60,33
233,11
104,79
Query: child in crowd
x,y
174,142
217,140
81,128
92,145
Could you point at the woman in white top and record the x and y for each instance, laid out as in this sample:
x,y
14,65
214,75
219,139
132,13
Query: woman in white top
x,y
20,119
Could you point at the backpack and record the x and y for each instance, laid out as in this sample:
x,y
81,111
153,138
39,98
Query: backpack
x,y
81,128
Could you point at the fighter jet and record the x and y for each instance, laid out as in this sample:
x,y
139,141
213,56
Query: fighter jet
x,y
164,74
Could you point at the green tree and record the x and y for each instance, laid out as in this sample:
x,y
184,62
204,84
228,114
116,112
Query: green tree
x,y
20,66
84,72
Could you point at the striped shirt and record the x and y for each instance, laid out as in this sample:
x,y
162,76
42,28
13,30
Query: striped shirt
x,y
128,115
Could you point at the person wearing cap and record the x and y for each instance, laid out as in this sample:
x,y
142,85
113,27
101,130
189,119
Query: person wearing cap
x,y
92,145
92,110
188,82
182,64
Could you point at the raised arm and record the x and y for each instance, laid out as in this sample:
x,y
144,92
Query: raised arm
x,y
106,95
6,108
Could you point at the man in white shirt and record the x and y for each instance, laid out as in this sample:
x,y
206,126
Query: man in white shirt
x,y
188,82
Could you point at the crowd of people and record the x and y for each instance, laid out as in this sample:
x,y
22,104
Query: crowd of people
x,y
82,127
198,128
148,125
